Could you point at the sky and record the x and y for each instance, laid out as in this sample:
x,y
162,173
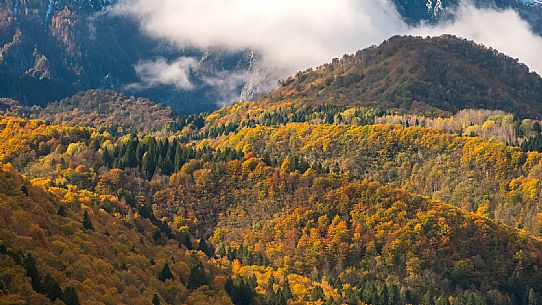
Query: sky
x,y
293,35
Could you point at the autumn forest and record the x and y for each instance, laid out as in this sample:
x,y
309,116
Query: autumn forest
x,y
357,182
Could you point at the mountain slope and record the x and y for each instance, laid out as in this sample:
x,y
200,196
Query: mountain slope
x,y
109,110
54,241
52,49
295,233
468,172
353,234
431,75
59,47
416,11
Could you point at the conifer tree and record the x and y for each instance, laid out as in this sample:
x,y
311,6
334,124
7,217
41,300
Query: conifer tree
x,y
286,288
205,248
187,243
62,211
165,273
70,296
51,288
87,223
33,273
148,166
317,293
197,277
269,290
155,299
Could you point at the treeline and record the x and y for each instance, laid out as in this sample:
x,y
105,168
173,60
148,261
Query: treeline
x,y
163,156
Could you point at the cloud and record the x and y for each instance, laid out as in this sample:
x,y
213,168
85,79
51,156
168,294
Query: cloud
x,y
292,35
162,72
289,34
503,30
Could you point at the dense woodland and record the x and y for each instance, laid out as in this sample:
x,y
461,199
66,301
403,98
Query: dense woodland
x,y
103,110
432,75
261,208
106,199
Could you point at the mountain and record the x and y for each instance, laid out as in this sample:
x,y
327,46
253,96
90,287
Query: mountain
x,y
52,49
433,75
433,11
107,110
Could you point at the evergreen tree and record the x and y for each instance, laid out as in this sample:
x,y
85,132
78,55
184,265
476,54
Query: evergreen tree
x,y
62,211
87,223
286,288
155,299
156,235
106,159
147,166
33,273
205,248
269,290
280,299
240,292
70,296
197,277
51,288
24,189
165,273
186,242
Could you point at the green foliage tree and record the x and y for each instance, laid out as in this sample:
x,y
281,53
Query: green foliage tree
x,y
51,288
197,277
87,222
70,296
165,273
147,165
317,293
62,211
33,273
204,247
156,235
240,291
187,242
155,299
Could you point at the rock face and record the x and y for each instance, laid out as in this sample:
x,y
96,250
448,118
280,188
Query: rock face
x,y
50,49
416,11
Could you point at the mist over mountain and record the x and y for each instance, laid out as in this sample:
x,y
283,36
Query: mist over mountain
x,y
56,48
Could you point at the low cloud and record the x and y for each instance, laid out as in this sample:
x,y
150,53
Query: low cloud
x,y
163,72
292,35
503,30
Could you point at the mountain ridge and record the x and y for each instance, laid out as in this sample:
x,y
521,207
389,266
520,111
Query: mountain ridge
x,y
438,75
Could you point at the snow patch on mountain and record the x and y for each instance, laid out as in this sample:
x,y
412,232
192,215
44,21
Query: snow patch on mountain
x,y
532,2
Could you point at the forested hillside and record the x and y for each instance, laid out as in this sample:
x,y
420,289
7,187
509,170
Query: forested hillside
x,y
435,75
65,245
248,217
370,180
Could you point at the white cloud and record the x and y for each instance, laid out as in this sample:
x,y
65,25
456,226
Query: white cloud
x,y
163,72
503,30
292,35
289,34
